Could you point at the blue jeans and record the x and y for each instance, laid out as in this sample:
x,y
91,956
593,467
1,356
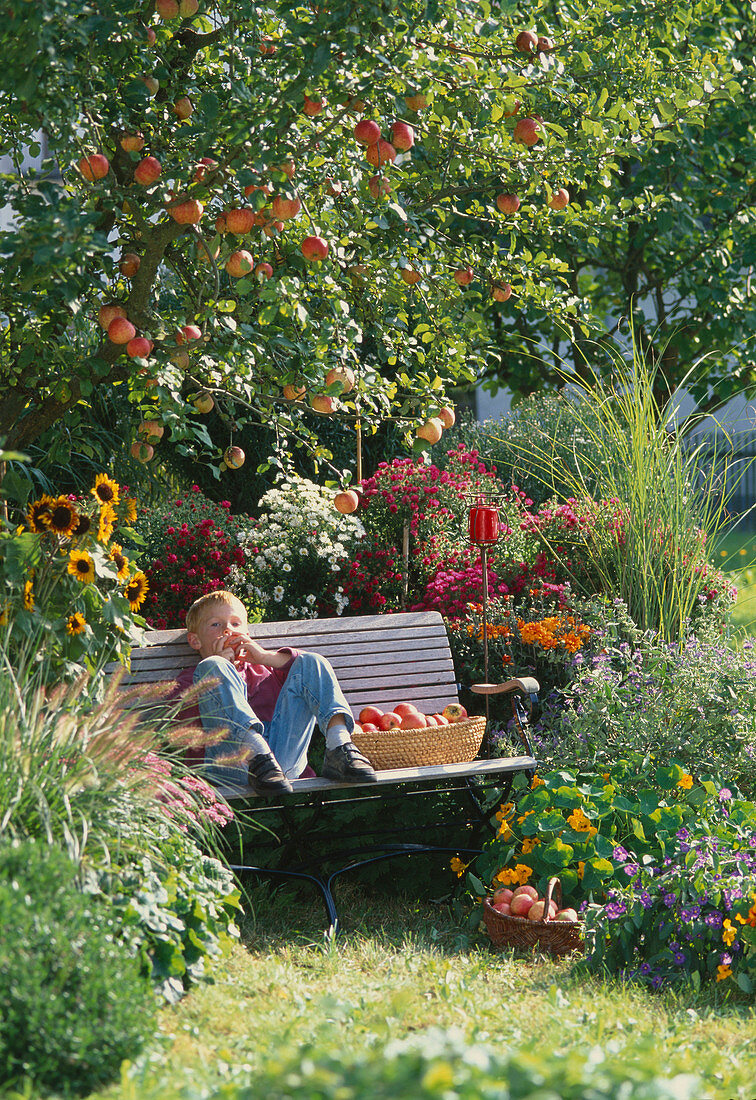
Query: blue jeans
x,y
310,694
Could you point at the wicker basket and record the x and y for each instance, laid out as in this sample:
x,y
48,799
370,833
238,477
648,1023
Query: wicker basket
x,y
456,743
556,936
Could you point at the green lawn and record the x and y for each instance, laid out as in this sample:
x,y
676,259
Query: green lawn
x,y
402,969
736,554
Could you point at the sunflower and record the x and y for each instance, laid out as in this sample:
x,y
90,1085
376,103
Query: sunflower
x,y
76,623
107,523
35,517
81,566
61,516
105,490
122,563
82,526
136,591
29,595
131,510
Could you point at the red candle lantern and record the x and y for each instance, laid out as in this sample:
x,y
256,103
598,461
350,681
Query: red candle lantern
x,y
484,525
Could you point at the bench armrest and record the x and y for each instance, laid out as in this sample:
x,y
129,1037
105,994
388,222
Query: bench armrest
x,y
525,710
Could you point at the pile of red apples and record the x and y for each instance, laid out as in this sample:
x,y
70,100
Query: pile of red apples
x,y
525,902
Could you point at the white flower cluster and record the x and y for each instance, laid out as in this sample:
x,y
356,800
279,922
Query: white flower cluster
x,y
294,548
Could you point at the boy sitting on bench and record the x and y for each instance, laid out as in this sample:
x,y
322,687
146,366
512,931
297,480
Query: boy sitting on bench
x,y
268,701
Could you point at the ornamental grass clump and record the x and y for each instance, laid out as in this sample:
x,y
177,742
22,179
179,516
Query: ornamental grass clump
x,y
669,500
295,555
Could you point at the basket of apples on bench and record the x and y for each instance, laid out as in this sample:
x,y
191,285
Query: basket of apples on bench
x,y
406,738
520,918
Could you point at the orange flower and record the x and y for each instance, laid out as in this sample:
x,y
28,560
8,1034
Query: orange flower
x,y
723,972
536,782
686,782
523,872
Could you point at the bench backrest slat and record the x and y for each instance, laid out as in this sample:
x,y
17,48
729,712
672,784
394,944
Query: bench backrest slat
x,y
379,659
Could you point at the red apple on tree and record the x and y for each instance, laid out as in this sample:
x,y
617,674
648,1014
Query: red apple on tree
x,y
379,186
263,272
314,248
284,208
187,8
239,221
203,402
120,331
416,101
526,41
382,152
167,9
183,107
152,430
560,199
288,168
544,45
109,313
508,203
367,132
205,165
342,375
240,263
132,143
402,136
431,430
447,416
346,502
501,292
312,106
139,347
234,457
147,171
188,212
528,131
94,167
187,334
411,275
294,393
152,84
322,403
129,264
463,276
141,451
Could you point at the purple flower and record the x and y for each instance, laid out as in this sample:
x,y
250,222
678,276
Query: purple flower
x,y
713,919
645,899
620,854
724,795
691,914
657,981
631,869
645,969
726,958
615,909
678,958
682,834
669,899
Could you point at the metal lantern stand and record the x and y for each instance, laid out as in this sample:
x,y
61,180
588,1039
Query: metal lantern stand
x,y
484,532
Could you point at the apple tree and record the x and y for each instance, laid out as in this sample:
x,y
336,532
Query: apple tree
x,y
266,208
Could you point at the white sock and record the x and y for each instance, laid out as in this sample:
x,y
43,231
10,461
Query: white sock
x,y
336,735
256,743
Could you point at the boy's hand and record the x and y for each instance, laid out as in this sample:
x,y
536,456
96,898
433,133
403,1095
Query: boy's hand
x,y
249,652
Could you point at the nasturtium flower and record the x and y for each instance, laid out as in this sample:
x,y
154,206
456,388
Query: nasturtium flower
x,y
136,591
81,566
729,932
581,868
686,782
529,843
29,595
38,509
458,866
75,623
537,782
61,516
723,972
105,490
523,872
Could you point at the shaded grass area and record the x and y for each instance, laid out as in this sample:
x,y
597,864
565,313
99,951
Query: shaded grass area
x,y
403,967
735,553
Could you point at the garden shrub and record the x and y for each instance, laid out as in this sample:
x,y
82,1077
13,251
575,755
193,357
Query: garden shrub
x,y
289,561
177,907
65,584
691,917
74,1004
189,546
589,826
693,702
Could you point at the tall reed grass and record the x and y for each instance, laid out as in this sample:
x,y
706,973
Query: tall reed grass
x,y
672,502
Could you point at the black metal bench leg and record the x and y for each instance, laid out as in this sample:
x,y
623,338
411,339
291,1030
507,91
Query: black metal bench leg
x,y
323,885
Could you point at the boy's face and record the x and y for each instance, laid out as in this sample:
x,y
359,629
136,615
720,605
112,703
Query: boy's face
x,y
220,621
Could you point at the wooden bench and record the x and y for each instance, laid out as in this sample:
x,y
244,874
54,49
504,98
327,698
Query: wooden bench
x,y
379,660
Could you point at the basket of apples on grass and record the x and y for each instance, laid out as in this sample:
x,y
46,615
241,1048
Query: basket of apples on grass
x,y
520,918
404,737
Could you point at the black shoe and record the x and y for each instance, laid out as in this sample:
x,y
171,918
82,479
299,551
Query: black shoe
x,y
347,763
266,777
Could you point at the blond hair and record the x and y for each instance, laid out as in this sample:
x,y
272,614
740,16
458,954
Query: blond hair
x,y
196,613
